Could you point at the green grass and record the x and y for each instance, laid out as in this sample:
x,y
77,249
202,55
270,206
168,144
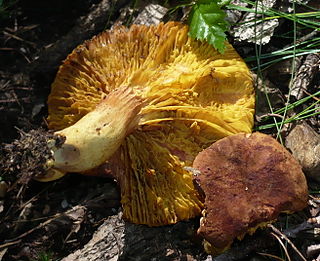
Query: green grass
x,y
310,111
301,22
268,59
306,21
304,18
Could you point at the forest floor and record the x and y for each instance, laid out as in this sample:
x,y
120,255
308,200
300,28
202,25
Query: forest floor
x,y
55,219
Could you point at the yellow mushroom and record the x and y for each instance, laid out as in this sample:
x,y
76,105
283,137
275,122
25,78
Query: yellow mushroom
x,y
146,101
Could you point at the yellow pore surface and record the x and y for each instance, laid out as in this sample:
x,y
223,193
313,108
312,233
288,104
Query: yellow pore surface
x,y
194,96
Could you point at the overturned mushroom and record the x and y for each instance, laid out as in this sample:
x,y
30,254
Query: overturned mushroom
x,y
146,100
248,180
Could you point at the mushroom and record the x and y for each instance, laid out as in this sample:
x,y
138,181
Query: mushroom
x,y
142,103
248,180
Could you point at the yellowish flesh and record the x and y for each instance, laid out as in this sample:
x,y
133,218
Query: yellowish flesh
x,y
192,95
96,137
156,183
51,175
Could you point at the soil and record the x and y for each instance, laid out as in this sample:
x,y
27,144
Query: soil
x,y
48,221
27,31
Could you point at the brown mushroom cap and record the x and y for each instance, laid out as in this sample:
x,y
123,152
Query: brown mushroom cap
x,y
248,180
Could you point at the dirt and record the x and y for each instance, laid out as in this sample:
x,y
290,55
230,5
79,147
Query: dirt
x,y
48,221
27,30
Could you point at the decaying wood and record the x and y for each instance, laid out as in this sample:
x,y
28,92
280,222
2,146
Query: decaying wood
x,y
305,74
116,239
265,87
253,30
151,14
66,225
106,243
304,144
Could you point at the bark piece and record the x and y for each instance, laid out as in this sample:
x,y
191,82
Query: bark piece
x,y
117,240
304,144
253,30
151,14
106,243
305,75
266,88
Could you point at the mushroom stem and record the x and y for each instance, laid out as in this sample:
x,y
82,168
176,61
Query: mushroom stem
x,y
96,136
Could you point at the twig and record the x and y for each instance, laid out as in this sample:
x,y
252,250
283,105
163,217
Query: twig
x,y
10,244
24,204
17,239
69,214
308,36
310,94
246,247
14,100
283,246
33,198
269,115
16,50
7,49
288,240
22,29
295,231
272,256
19,39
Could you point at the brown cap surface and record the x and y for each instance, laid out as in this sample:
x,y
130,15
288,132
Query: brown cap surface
x,y
248,180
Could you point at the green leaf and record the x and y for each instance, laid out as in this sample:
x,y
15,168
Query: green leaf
x,y
207,22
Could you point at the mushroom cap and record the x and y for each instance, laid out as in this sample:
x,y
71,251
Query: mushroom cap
x,y
193,96
248,180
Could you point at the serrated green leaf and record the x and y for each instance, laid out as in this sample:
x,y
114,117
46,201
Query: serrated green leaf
x,y
207,22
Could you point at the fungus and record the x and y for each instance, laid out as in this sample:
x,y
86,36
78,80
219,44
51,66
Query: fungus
x,y
146,101
248,180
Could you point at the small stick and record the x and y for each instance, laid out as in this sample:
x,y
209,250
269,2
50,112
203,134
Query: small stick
x,y
5,245
283,246
310,94
288,240
269,255
17,239
19,39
